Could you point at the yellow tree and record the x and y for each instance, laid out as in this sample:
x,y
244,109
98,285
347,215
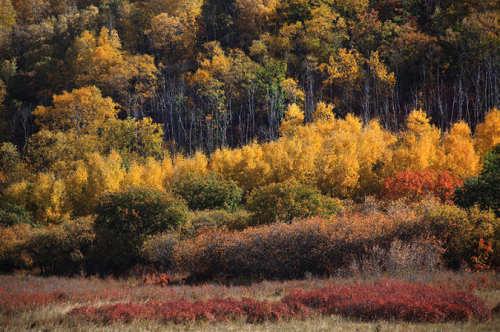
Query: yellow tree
x,y
294,117
461,158
323,112
82,110
418,147
338,166
246,166
488,132
99,60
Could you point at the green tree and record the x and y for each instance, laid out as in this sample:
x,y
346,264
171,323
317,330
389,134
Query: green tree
x,y
126,219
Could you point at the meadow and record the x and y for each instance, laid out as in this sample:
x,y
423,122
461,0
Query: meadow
x,y
444,301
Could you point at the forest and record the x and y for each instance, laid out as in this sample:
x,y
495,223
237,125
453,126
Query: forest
x,y
277,144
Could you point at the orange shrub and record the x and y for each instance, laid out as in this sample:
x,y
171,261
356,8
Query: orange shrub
x,y
415,185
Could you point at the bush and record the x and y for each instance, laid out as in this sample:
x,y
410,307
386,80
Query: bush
x,y
126,219
383,300
461,231
13,214
12,240
201,221
287,251
483,190
208,192
158,251
391,300
416,185
61,249
289,200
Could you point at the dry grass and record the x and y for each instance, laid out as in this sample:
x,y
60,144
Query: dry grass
x,y
71,293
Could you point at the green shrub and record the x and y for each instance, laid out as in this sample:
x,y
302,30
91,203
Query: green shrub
x,y
61,249
483,190
126,219
289,200
13,214
208,192
461,230
200,221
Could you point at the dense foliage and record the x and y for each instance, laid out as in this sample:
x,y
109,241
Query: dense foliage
x,y
484,189
125,220
247,112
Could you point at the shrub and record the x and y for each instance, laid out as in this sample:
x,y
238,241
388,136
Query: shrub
x,y
483,190
282,251
416,185
13,214
386,299
126,219
460,231
289,200
158,251
12,240
182,312
61,249
391,300
208,192
201,221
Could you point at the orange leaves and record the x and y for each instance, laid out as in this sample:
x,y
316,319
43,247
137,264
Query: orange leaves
x,y
416,185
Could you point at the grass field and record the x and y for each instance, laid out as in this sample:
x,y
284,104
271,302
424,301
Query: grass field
x,y
45,304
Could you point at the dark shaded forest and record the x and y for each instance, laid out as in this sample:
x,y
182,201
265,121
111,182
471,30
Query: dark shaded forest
x,y
220,73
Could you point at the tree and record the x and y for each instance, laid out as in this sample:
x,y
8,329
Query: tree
x,y
99,60
126,219
483,189
132,138
294,117
208,192
283,202
461,158
488,132
418,147
83,110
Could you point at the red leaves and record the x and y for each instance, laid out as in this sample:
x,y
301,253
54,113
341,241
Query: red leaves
x,y
182,311
392,300
415,185
388,300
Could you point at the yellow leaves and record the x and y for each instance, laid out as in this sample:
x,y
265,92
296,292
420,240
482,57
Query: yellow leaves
x,y
176,31
184,166
7,15
292,90
294,117
380,71
45,196
488,132
460,157
323,112
82,109
100,61
343,68
246,166
419,146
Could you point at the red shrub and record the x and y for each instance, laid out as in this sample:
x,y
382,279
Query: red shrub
x,y
392,300
383,300
184,311
415,185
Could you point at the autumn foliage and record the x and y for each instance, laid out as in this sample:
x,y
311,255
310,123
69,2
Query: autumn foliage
x,y
416,185
387,299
